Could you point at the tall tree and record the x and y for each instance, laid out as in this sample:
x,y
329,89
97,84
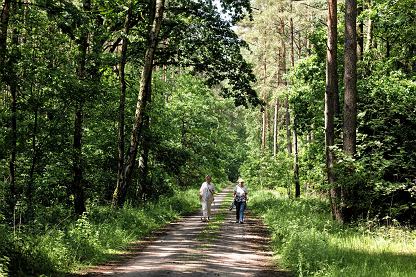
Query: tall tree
x,y
145,79
122,100
350,94
331,93
350,78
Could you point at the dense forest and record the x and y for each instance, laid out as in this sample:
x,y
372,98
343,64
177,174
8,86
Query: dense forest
x,y
112,113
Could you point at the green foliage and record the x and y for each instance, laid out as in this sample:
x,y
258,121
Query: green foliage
x,y
311,244
90,239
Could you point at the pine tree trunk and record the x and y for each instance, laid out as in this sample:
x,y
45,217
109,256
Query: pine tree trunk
x,y
141,104
331,93
288,132
350,78
275,128
350,95
296,160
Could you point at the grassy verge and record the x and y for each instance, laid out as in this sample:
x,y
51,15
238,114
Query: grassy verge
x,y
307,241
97,236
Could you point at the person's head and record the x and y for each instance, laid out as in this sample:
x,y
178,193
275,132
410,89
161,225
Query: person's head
x,y
208,178
240,182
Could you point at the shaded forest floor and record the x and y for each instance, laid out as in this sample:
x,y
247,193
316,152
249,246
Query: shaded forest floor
x,y
191,247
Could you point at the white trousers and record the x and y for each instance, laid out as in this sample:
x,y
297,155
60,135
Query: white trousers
x,y
206,208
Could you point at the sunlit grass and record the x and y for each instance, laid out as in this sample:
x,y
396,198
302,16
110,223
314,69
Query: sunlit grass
x,y
307,241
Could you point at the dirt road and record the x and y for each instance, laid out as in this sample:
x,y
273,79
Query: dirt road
x,y
190,247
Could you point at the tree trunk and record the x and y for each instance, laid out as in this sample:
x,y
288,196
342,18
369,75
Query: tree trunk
x,y
350,78
77,186
360,47
4,25
264,109
275,128
288,135
331,93
350,95
122,105
143,184
141,104
296,160
292,39
77,168
369,33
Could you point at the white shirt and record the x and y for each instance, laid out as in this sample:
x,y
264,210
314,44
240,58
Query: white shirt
x,y
207,191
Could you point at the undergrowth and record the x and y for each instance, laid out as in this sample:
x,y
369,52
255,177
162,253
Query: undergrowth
x,y
307,241
90,239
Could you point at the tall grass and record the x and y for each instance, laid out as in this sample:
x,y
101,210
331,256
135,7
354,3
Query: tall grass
x,y
307,241
92,238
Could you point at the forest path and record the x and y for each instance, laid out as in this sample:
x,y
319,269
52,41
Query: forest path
x,y
190,247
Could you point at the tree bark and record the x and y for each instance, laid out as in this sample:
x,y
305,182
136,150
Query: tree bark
x,y
143,184
122,104
275,128
141,104
350,78
288,132
350,94
331,93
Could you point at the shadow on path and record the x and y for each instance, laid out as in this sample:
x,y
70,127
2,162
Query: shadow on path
x,y
237,250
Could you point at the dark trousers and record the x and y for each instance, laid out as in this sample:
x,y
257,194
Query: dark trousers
x,y
240,207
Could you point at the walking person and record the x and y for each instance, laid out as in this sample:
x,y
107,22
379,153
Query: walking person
x,y
240,199
206,196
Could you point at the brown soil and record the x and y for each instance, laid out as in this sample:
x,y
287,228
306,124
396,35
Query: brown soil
x,y
181,250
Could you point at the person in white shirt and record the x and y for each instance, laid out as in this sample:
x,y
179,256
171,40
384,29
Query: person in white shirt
x,y
240,199
206,196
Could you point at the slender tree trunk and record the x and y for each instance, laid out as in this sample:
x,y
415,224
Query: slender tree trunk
x,y
264,109
143,184
288,132
264,129
275,128
77,167
141,103
77,187
369,33
292,39
360,48
282,69
331,93
295,135
4,25
296,160
121,107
